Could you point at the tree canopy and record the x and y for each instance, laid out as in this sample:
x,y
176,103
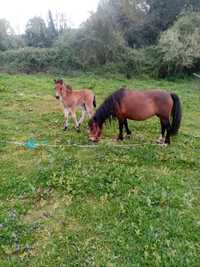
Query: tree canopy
x,y
131,35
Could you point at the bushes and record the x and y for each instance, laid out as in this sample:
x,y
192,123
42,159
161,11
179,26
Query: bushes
x,y
178,52
28,60
32,60
66,58
180,45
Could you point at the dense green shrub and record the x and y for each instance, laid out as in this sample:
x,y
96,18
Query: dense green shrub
x,y
31,60
180,45
65,57
28,60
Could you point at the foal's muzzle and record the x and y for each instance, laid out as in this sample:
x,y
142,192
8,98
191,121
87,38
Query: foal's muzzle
x,y
57,97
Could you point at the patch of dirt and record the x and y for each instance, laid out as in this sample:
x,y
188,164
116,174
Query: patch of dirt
x,y
52,221
46,208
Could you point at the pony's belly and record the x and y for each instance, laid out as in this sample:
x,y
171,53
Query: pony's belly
x,y
140,117
138,107
140,112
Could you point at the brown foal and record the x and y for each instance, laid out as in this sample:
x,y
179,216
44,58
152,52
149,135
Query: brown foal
x,y
138,105
72,100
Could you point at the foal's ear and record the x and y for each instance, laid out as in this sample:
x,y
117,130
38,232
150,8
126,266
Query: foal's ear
x,y
61,81
55,80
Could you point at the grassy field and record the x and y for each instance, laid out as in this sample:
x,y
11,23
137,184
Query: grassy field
x,y
101,205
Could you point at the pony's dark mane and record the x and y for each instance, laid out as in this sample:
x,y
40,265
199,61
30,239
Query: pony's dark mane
x,y
108,109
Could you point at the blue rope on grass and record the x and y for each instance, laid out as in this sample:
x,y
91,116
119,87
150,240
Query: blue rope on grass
x,y
32,143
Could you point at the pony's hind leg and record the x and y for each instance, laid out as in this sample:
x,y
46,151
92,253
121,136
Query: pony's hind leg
x,y
126,127
167,138
165,126
161,139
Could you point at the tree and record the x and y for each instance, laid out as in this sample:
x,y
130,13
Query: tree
x,y
61,23
52,33
6,33
161,14
127,17
98,42
36,34
180,44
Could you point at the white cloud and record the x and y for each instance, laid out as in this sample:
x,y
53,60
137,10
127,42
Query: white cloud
x,y
19,12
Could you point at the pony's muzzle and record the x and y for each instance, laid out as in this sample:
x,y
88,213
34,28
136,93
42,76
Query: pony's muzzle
x,y
57,97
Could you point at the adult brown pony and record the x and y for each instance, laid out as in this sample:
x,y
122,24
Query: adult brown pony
x,y
72,100
138,105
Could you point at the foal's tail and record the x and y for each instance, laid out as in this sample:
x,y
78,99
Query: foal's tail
x,y
176,114
94,102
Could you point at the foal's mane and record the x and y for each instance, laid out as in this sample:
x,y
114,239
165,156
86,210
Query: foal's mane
x,y
67,87
108,109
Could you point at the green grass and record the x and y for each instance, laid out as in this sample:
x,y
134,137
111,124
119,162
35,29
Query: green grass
x,y
100,206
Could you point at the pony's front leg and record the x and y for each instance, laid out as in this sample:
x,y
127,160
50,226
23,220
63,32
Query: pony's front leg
x,y
127,129
121,124
77,126
66,115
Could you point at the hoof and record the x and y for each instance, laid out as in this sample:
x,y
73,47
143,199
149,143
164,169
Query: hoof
x,y
78,129
65,128
160,141
128,136
163,145
119,138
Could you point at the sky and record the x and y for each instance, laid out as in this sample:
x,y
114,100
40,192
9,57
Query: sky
x,y
18,12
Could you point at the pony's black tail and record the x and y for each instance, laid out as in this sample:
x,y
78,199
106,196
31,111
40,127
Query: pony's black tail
x,y
176,114
94,102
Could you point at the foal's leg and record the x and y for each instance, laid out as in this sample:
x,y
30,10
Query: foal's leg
x,y
82,117
89,107
89,111
126,127
66,115
73,113
121,124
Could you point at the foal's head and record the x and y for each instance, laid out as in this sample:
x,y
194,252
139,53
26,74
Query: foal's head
x,y
95,131
58,88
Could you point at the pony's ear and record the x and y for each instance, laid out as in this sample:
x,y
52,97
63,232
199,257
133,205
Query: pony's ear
x,y
61,81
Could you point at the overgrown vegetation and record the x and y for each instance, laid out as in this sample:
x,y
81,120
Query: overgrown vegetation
x,y
100,205
180,44
103,205
155,37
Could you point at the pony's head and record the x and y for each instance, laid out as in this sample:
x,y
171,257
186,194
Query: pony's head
x,y
58,88
95,131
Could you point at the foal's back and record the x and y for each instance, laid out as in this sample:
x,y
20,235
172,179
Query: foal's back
x,y
78,97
